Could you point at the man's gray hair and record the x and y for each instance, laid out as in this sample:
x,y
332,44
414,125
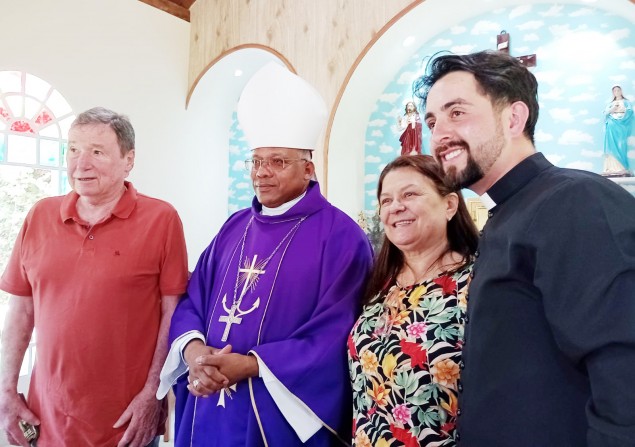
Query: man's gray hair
x,y
120,124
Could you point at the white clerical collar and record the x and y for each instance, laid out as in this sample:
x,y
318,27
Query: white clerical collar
x,y
488,201
282,208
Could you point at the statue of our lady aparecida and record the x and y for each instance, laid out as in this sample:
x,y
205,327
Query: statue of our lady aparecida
x,y
618,126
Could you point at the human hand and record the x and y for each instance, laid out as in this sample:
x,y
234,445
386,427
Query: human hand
x,y
142,417
235,367
12,410
203,379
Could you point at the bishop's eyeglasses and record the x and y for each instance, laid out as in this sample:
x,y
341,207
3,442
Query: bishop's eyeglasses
x,y
276,164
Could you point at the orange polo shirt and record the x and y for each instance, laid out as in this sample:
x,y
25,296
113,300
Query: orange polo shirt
x,y
97,296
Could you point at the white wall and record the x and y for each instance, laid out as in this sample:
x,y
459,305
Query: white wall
x,y
132,58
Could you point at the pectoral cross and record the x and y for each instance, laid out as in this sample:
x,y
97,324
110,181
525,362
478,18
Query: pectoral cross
x,y
234,313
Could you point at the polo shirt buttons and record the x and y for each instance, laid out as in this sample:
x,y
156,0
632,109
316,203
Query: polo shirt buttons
x,y
460,387
91,237
458,412
462,364
476,254
490,214
467,319
480,233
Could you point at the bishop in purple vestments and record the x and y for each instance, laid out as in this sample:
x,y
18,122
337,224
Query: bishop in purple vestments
x,y
272,299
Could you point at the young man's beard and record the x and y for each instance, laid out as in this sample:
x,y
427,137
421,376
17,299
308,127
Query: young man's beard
x,y
471,174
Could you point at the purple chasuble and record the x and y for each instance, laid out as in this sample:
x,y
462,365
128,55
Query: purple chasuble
x,y
306,270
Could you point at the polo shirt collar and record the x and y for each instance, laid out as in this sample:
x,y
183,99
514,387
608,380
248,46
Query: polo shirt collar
x,y
122,209
514,180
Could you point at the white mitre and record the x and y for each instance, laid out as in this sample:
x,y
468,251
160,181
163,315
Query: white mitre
x,y
279,109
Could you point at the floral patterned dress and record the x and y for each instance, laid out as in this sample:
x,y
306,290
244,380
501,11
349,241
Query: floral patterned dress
x,y
404,356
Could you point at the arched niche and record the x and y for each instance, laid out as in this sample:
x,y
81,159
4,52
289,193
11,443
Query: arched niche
x,y
382,60
210,110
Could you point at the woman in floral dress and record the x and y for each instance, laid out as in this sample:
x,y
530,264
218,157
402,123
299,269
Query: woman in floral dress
x,y
405,349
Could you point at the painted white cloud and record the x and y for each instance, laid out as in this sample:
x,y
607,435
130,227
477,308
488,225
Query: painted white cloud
x,y
584,165
442,43
387,149
572,136
372,159
583,112
371,192
231,193
370,143
583,97
486,27
554,94
238,166
619,34
591,154
234,149
519,11
628,51
374,203
554,158
458,29
580,79
554,11
390,98
245,197
377,133
395,111
581,12
561,114
541,136
369,178
591,121
627,65
522,50
377,123
548,77
532,24
631,143
618,78
407,77
463,49
560,30
242,185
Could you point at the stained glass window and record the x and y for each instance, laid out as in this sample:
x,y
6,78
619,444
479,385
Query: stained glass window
x,y
34,123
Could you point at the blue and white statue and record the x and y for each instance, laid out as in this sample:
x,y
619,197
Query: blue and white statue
x,y
618,126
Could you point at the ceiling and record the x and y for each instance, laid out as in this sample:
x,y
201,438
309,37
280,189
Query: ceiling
x,y
178,8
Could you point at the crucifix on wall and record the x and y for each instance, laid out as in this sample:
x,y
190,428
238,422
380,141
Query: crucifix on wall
x,y
502,44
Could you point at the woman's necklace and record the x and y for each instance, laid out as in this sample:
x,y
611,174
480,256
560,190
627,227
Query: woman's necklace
x,y
250,272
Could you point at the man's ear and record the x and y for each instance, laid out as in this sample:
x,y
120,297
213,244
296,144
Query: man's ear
x,y
129,160
519,114
309,170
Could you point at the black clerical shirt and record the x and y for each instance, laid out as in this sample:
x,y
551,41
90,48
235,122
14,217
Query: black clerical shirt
x,y
549,355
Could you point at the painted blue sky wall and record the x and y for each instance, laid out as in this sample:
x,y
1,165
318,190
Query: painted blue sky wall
x,y
582,52
240,190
